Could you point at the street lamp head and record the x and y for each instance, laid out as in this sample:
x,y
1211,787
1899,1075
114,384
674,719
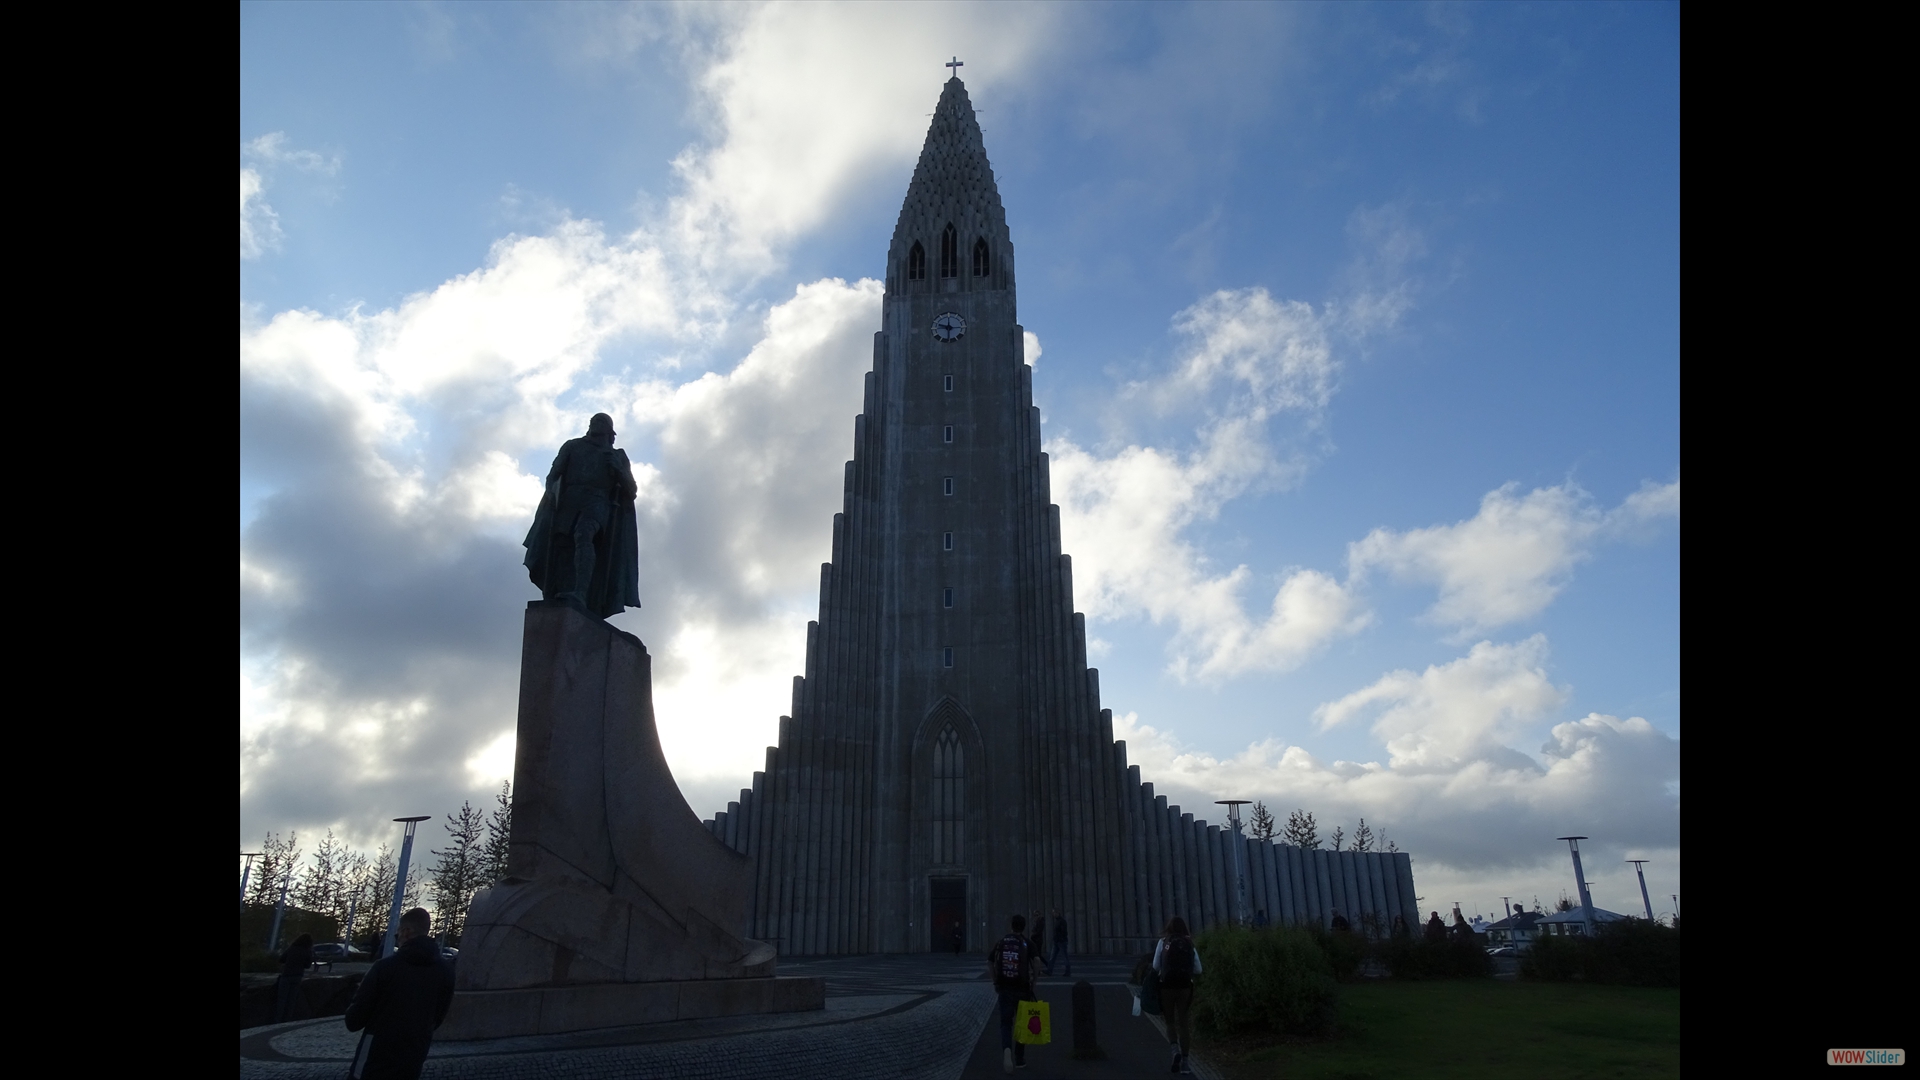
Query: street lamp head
x,y
422,817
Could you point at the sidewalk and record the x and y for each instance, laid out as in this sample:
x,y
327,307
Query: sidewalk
x,y
886,1016
1135,1046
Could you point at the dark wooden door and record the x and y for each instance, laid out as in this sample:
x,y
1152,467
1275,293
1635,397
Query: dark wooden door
x,y
949,916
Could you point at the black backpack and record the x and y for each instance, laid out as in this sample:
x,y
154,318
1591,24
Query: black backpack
x,y
1176,963
1012,966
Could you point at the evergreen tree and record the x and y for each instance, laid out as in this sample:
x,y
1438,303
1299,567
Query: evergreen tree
x,y
1363,837
348,894
1339,837
1301,831
320,884
279,860
376,891
457,875
499,835
1262,822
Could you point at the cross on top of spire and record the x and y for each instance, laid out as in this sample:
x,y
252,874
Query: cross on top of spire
x,y
956,64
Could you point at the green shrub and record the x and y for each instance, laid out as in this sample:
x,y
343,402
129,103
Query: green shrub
x,y
1344,952
1277,980
1409,959
1632,952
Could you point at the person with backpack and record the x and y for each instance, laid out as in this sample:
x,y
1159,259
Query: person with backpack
x,y
1012,964
1176,962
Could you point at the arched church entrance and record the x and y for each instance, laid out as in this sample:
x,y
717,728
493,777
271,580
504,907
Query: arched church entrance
x,y
948,895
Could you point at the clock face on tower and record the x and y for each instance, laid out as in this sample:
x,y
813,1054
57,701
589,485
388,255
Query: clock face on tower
x,y
949,327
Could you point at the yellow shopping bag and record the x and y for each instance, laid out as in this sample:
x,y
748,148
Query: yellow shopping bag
x,y
1031,1025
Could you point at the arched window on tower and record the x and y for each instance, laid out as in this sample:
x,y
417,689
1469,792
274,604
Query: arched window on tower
x,y
980,260
949,799
917,263
949,253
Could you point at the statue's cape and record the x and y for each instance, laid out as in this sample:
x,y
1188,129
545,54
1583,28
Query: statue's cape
x,y
616,571
617,577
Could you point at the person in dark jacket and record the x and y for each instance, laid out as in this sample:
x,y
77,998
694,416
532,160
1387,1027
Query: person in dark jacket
x,y
293,964
1060,953
1436,930
402,999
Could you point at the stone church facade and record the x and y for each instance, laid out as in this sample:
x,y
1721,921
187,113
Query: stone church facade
x,y
947,762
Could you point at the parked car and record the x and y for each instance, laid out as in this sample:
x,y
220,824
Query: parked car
x,y
330,952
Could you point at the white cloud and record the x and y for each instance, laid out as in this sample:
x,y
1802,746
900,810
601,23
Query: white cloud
x,y
1454,789
1507,562
1455,712
1249,358
276,149
260,230
259,225
770,171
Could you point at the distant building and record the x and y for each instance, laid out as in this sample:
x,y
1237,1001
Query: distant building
x,y
1516,931
1574,923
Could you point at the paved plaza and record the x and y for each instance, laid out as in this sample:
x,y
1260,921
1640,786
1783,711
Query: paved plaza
x,y
914,1016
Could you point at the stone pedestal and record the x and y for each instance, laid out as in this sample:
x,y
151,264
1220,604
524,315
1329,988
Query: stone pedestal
x,y
618,907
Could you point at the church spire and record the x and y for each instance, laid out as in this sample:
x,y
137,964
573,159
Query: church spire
x,y
953,185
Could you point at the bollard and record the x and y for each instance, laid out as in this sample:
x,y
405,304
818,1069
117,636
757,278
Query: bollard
x,y
1086,1046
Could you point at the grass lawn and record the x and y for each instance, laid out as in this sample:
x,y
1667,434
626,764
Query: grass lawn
x,y
1483,1029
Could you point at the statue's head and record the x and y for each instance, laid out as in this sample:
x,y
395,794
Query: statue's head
x,y
600,428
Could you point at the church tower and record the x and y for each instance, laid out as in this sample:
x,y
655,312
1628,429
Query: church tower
x,y
947,762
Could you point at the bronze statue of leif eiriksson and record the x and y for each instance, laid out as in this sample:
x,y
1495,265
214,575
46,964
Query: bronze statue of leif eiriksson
x,y
584,544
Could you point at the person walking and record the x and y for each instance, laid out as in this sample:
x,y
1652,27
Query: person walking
x,y
1014,966
1060,952
1177,962
399,1003
294,963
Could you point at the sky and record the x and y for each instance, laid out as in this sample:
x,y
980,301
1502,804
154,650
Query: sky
x,y
1355,332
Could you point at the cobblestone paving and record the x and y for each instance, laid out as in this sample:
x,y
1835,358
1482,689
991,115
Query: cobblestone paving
x,y
886,1016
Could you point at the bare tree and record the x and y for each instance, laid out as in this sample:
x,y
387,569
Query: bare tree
x,y
1339,837
1262,822
1301,830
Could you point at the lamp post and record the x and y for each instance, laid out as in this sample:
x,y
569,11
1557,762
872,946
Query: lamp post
x,y
1239,860
1580,879
279,910
245,873
400,881
1640,868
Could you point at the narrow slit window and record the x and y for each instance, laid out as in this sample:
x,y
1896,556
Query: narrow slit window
x,y
949,384
946,597
946,656
949,433
949,253
948,481
980,260
917,263
946,542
